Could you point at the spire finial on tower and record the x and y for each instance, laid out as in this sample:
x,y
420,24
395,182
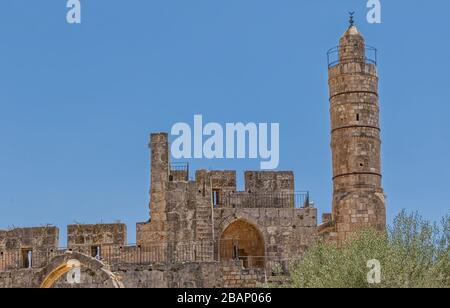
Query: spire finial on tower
x,y
351,20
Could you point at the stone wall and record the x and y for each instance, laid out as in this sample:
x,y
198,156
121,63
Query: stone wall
x,y
30,238
266,182
96,235
20,278
286,233
185,275
156,230
235,276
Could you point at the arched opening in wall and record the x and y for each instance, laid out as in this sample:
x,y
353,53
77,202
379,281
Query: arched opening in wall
x,y
242,241
58,272
76,270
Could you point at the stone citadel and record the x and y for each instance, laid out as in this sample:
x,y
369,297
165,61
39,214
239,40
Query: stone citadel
x,y
206,233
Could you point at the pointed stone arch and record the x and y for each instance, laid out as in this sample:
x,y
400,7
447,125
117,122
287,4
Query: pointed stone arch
x,y
242,240
63,264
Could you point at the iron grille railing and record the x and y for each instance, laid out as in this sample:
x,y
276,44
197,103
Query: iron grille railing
x,y
271,257
274,266
16,259
265,200
255,253
201,251
179,167
179,171
333,55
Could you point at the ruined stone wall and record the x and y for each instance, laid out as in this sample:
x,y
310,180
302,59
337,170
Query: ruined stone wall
x,y
217,179
96,235
178,175
19,246
187,217
156,230
263,189
266,182
235,276
188,206
270,189
20,278
212,187
180,209
30,238
183,275
94,240
186,275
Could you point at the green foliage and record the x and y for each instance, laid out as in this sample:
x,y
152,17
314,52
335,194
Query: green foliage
x,y
413,254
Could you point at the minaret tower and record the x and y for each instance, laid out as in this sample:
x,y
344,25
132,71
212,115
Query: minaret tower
x,y
358,198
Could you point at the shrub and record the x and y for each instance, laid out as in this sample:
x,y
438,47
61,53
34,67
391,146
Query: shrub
x,y
413,253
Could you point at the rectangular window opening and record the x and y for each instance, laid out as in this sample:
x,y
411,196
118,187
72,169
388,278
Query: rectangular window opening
x,y
27,258
235,252
216,197
96,252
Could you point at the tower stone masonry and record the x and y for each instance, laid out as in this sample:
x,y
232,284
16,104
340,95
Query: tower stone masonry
x,y
358,197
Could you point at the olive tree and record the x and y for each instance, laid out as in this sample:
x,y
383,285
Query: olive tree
x,y
413,253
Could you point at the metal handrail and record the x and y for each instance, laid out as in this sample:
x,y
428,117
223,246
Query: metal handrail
x,y
115,255
371,56
179,168
265,200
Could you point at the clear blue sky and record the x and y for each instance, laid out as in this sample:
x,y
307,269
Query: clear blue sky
x,y
79,101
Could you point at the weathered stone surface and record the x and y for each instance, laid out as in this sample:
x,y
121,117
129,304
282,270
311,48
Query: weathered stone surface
x,y
358,198
95,235
24,238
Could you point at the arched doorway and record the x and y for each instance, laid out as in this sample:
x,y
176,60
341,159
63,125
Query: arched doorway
x,y
242,241
61,265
